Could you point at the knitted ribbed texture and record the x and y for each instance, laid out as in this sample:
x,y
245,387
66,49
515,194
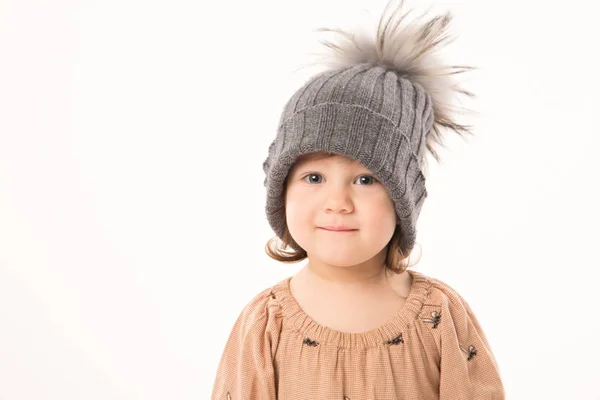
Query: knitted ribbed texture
x,y
367,113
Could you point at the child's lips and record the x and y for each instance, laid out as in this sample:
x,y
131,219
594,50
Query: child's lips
x,y
334,229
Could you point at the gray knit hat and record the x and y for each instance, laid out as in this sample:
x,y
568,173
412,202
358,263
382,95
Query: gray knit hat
x,y
381,102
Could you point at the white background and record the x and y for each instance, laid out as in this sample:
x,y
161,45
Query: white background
x,y
132,224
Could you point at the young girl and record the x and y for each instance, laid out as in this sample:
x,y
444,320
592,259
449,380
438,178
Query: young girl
x,y
345,179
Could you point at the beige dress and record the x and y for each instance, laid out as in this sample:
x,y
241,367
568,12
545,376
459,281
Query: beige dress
x,y
433,348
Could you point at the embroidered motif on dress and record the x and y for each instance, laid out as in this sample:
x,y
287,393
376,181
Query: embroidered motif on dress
x,y
471,351
396,340
436,318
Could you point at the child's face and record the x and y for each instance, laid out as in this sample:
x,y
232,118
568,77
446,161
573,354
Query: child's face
x,y
337,190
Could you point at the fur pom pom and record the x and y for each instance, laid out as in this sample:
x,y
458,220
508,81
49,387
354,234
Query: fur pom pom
x,y
407,48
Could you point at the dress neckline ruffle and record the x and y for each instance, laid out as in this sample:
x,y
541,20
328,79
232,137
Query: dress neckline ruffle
x,y
309,328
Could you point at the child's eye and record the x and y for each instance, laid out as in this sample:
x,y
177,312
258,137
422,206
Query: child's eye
x,y
372,178
369,177
310,176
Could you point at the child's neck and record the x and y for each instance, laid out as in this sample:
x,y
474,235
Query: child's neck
x,y
368,274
